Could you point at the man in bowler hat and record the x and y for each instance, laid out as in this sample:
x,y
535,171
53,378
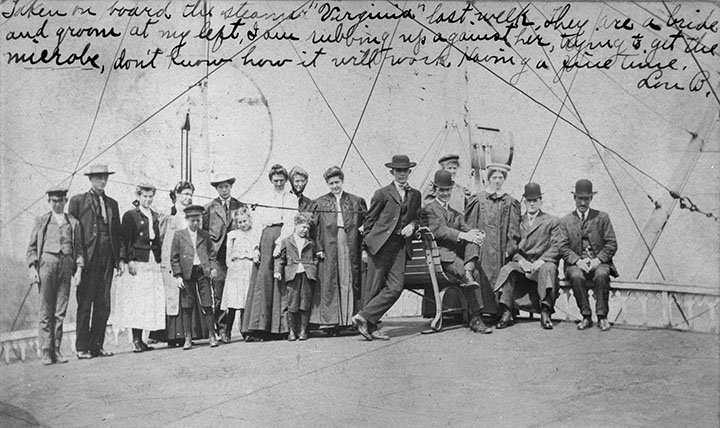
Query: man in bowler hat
x,y
100,220
588,246
217,220
530,279
392,219
55,257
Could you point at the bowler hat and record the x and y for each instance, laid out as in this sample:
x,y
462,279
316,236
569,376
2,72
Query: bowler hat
x,y
400,162
99,169
219,178
194,210
583,187
532,191
443,179
56,191
449,157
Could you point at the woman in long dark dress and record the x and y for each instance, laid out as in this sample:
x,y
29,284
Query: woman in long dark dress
x,y
498,215
337,218
265,308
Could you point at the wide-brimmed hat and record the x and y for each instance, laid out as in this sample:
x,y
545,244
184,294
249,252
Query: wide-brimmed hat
x,y
583,187
57,191
99,169
400,162
194,210
219,178
443,179
500,166
446,158
532,191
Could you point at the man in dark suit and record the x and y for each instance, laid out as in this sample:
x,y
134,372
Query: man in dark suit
x,y
100,220
588,246
530,279
217,220
449,228
389,225
194,262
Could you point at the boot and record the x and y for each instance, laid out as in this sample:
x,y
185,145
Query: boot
x,y
545,321
188,342
229,320
210,318
304,320
46,357
507,319
291,326
478,326
59,358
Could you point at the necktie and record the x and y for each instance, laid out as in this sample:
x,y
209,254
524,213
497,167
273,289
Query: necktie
x,y
226,205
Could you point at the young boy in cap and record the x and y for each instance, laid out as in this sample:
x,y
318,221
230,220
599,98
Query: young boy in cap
x,y
217,220
588,247
193,259
55,256
298,263
391,221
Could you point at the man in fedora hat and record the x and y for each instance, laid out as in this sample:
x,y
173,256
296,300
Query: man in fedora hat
x,y
100,220
57,240
459,196
529,281
392,219
217,220
588,247
452,235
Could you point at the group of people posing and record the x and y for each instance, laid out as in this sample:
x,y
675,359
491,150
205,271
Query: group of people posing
x,y
288,263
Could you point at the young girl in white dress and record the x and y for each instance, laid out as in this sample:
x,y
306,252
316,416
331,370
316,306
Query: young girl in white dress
x,y
242,252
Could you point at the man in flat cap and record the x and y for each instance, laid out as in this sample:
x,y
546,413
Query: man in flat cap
x,y
450,163
529,281
453,235
55,257
391,221
217,220
194,262
588,247
100,220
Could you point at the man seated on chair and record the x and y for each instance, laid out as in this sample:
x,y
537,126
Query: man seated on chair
x,y
530,279
452,235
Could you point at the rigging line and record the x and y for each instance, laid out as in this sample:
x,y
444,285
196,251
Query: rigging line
x,y
692,54
97,110
372,89
531,98
653,14
198,82
24,161
117,141
432,144
607,75
572,82
632,177
327,103
465,147
440,144
612,179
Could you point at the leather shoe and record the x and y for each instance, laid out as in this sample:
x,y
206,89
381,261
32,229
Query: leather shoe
x,y
378,335
545,321
225,338
188,344
60,358
213,341
506,320
362,326
103,353
84,355
603,324
137,345
585,323
47,358
478,326
146,347
292,336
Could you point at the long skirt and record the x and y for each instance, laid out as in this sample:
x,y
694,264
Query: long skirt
x,y
141,298
333,303
266,305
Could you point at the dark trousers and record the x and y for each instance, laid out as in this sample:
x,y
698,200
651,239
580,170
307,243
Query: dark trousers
x,y
541,294
299,293
55,272
93,297
197,290
599,280
455,270
385,278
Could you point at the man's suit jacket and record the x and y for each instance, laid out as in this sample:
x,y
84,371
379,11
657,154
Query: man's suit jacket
x,y
84,208
446,225
218,224
383,217
37,239
542,240
290,257
600,233
182,254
